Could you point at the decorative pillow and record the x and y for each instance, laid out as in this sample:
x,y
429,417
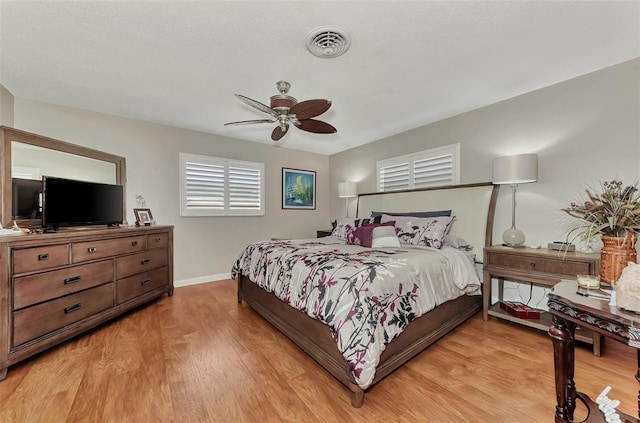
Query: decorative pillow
x,y
345,226
415,214
421,231
384,236
363,235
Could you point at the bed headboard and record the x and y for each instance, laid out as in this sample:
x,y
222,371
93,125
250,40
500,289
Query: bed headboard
x,y
473,206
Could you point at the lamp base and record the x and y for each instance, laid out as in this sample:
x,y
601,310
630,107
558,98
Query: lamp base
x,y
513,237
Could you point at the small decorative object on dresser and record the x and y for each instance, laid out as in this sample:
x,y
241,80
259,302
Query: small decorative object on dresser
x,y
613,212
143,217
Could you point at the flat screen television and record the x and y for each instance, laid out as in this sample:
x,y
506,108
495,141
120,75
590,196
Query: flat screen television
x,y
26,198
67,202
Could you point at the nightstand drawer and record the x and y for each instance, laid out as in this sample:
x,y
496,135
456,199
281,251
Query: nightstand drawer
x,y
540,264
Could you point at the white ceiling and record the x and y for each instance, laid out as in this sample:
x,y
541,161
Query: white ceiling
x,y
411,62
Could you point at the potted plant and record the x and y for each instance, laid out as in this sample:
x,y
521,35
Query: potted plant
x,y
613,212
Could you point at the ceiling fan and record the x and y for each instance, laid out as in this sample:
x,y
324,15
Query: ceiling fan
x,y
286,110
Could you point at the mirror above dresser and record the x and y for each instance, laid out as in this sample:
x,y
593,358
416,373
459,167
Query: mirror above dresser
x,y
27,157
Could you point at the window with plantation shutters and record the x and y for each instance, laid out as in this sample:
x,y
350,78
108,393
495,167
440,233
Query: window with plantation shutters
x,y
425,169
212,186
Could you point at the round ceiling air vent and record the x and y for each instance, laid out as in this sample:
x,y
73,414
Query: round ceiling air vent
x,y
328,42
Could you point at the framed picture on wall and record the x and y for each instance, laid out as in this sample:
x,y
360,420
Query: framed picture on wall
x,y
298,189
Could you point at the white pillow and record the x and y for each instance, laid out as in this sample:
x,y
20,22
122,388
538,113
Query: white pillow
x,y
384,236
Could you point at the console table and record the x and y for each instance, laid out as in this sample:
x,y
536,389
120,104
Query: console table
x,y
569,310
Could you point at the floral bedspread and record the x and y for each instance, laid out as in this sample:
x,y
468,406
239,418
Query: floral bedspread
x,y
366,296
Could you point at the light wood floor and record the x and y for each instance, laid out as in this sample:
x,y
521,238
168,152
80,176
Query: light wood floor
x,y
200,357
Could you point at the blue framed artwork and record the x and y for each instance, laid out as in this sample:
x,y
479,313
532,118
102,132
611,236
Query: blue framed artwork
x,y
298,189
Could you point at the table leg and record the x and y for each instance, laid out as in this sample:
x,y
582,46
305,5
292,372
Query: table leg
x,y
486,295
562,335
638,379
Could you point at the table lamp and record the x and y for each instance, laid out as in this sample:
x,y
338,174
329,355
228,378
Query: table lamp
x,y
514,170
347,190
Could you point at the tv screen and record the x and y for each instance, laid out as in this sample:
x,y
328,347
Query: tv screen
x,y
67,202
26,198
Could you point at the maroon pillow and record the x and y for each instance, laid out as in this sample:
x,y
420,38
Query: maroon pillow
x,y
363,235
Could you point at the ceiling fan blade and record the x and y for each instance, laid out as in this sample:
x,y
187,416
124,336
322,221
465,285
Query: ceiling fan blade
x,y
278,132
250,122
310,108
316,126
257,105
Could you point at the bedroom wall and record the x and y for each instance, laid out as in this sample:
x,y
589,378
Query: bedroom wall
x,y
584,130
204,247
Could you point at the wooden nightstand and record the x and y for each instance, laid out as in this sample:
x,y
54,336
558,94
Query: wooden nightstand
x,y
541,267
323,233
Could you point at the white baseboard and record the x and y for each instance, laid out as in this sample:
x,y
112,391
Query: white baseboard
x,y
201,279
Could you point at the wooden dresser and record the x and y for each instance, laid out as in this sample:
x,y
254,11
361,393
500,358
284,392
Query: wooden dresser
x,y
56,286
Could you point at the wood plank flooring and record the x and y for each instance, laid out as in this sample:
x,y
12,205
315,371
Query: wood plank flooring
x,y
200,357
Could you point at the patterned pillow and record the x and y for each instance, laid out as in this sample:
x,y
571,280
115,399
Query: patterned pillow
x,y
421,231
384,236
345,227
434,213
363,235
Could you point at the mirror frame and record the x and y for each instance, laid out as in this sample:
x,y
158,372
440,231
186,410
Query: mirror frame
x,y
8,134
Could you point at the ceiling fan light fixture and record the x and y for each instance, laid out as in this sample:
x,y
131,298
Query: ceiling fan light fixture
x,y
328,42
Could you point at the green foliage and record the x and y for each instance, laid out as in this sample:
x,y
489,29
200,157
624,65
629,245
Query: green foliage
x,y
613,210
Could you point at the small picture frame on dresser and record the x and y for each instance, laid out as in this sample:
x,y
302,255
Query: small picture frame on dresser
x,y
143,217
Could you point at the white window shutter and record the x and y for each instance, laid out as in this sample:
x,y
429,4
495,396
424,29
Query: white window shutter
x,y
212,186
425,169
244,188
394,177
432,172
204,186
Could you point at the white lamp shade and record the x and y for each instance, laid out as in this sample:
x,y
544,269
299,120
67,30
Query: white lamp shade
x,y
347,189
518,169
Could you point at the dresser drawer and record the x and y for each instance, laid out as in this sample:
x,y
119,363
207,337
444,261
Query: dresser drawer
x,y
541,264
140,262
133,286
157,240
92,250
40,258
32,322
33,289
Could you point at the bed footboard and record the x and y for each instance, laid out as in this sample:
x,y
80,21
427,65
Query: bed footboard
x,y
315,339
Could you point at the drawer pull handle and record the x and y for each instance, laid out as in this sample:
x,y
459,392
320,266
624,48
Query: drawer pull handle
x,y
145,282
43,257
145,261
134,243
72,279
158,239
72,308
532,265
92,250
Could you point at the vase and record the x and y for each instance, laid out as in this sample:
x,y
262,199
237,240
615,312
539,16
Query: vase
x,y
614,256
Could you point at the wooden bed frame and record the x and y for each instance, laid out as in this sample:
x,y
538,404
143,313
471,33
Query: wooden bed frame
x,y
472,204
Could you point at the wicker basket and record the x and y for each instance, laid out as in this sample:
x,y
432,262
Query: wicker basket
x,y
615,255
